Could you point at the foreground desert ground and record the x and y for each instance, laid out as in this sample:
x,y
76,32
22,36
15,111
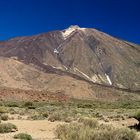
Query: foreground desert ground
x,y
39,130
41,120
45,130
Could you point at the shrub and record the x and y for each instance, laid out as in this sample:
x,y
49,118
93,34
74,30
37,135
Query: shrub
x,y
7,127
80,131
27,104
31,107
87,105
68,119
36,117
23,136
4,117
3,110
12,111
137,116
68,132
45,115
89,122
12,104
124,134
55,117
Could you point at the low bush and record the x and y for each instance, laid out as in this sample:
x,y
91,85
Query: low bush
x,y
12,111
41,116
85,105
12,104
23,136
7,127
89,122
3,110
27,104
91,130
4,117
68,119
45,115
31,107
137,116
55,117
36,117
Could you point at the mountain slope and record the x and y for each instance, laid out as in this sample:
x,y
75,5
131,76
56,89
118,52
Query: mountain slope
x,y
15,74
19,81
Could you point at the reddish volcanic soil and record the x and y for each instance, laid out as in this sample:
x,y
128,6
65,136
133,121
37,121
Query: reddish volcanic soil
x,y
28,95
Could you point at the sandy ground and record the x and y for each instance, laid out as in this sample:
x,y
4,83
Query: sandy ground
x,y
39,130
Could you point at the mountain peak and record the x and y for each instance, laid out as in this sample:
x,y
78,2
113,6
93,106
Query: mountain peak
x,y
70,30
74,26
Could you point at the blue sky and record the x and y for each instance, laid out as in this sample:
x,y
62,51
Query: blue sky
x,y
120,18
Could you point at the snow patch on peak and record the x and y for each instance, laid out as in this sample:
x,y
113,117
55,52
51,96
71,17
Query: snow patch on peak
x,y
67,32
70,30
74,26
